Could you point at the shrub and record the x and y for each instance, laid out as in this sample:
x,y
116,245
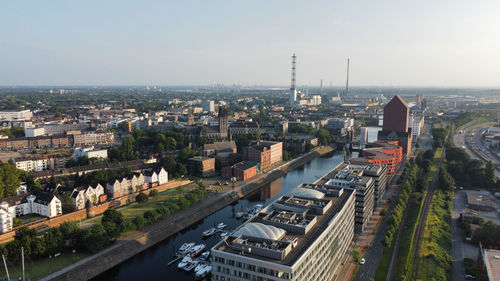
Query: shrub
x,y
154,193
141,198
139,222
356,255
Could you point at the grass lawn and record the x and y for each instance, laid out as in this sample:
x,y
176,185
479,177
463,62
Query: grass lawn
x,y
133,210
405,244
44,267
385,261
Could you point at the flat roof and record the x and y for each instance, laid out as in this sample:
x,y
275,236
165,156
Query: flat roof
x,y
301,242
479,199
491,260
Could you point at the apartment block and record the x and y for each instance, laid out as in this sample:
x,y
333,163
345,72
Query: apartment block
x,y
303,235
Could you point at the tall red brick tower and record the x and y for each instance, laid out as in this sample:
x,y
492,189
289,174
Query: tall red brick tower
x,y
395,127
396,115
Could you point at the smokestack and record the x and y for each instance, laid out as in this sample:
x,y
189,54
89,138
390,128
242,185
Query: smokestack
x,y
347,82
292,86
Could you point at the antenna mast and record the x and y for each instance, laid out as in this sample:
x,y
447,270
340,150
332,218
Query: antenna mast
x,y
292,86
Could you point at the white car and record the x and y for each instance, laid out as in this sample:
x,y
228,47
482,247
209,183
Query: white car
x,y
362,261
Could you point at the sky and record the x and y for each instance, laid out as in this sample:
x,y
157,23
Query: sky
x,y
426,43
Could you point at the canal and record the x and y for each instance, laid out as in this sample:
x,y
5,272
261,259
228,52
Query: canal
x,y
152,263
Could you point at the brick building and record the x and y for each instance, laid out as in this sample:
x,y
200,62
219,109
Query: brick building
x,y
241,171
267,153
387,153
395,127
202,166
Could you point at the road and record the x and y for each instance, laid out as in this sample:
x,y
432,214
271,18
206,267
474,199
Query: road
x,y
460,249
465,141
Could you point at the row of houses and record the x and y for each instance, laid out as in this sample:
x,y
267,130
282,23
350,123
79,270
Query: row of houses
x,y
47,203
40,203
57,141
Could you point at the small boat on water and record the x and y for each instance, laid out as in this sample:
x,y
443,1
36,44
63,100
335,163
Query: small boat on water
x,y
204,256
184,248
239,215
221,225
184,262
197,250
191,265
202,272
224,234
200,266
209,232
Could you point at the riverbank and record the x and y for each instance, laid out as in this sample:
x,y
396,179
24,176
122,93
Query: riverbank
x,y
137,242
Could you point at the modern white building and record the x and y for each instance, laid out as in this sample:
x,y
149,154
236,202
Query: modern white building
x,y
304,235
416,123
208,105
15,115
6,221
363,137
90,152
339,123
32,164
34,132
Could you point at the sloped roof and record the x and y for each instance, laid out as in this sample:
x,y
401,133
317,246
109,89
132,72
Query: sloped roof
x,y
261,230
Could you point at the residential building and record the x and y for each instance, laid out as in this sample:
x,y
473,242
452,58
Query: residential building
x,y
385,153
202,166
267,153
90,152
303,235
417,125
345,177
6,221
208,105
379,175
241,171
16,115
244,127
34,132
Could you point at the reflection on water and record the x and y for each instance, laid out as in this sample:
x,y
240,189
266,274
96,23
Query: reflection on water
x,y
152,263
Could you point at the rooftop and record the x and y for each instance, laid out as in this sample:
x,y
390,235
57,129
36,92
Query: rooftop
x,y
285,229
492,262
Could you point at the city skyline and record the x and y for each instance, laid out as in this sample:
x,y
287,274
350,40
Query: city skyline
x,y
390,44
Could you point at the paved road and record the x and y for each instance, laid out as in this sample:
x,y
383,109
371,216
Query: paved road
x,y
460,141
460,249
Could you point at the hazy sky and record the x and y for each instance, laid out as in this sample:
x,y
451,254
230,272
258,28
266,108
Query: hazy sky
x,y
390,43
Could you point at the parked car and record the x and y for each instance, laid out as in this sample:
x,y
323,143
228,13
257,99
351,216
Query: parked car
x,y
470,277
362,261
468,239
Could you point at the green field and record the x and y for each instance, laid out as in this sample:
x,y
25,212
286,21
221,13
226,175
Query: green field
x,y
44,267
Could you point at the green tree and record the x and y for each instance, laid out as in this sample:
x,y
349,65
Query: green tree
x,y
127,148
141,198
200,141
171,143
112,215
490,178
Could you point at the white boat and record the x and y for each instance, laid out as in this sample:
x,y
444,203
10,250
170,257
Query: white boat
x,y
185,248
208,233
221,225
239,215
197,250
203,272
191,265
200,266
204,255
224,234
184,262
